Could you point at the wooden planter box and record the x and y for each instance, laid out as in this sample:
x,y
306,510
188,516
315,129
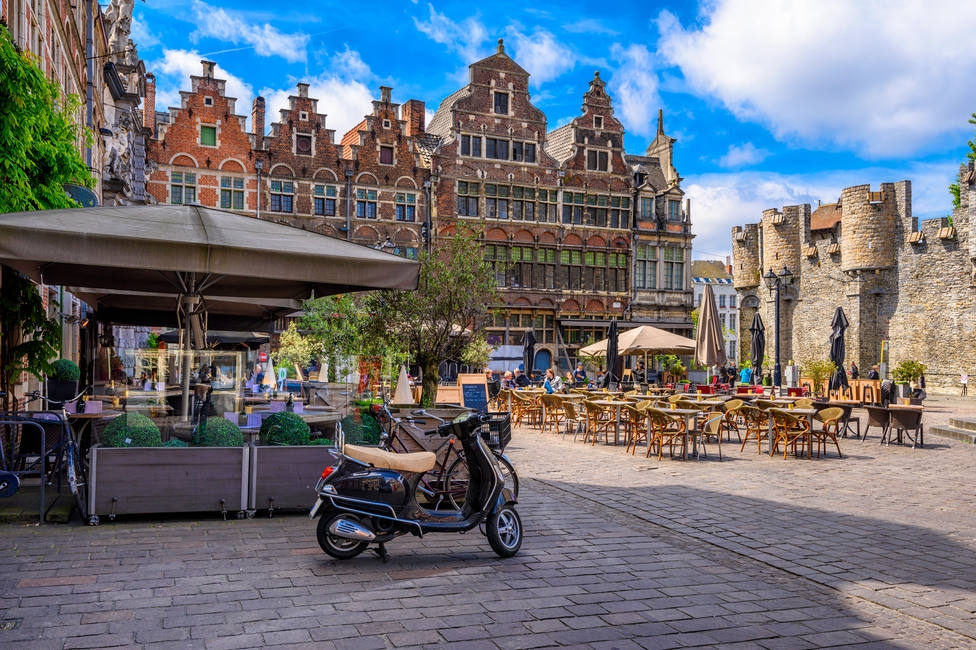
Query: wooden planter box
x,y
285,476
142,480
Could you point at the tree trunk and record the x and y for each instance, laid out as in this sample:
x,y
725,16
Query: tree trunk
x,y
429,382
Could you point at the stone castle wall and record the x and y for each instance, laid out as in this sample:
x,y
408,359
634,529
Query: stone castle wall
x,y
909,284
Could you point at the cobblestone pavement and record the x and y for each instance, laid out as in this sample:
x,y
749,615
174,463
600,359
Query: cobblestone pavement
x,y
877,549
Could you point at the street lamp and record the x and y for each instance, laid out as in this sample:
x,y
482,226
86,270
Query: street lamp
x,y
774,281
258,166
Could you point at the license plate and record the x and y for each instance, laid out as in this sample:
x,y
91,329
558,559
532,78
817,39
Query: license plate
x,y
315,509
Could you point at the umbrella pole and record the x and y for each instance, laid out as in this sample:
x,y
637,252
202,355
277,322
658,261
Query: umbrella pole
x,y
186,371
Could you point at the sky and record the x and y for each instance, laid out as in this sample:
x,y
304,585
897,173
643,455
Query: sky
x,y
772,102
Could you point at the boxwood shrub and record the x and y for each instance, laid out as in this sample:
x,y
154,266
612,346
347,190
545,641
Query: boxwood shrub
x,y
218,432
284,428
131,430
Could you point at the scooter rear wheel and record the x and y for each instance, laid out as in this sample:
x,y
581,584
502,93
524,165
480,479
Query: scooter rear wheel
x,y
338,547
504,531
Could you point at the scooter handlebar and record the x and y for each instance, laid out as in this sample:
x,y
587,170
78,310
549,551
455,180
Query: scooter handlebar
x,y
465,426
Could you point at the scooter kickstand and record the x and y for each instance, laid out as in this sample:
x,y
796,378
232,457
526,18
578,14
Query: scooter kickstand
x,y
380,551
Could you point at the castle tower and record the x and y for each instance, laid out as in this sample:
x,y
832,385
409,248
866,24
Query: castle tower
x,y
868,225
745,256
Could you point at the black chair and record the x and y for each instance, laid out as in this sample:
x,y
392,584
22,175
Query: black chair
x,y
905,421
878,416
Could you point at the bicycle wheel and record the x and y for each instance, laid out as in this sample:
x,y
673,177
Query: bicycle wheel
x,y
453,484
508,472
77,479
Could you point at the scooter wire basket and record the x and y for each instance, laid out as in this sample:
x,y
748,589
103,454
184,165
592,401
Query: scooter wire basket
x,y
497,431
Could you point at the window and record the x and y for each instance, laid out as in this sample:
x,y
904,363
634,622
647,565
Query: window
x,y
406,206
496,201
673,275
647,208
303,116
721,319
546,208
617,272
597,121
571,269
721,301
501,103
619,212
732,319
497,256
208,136
467,199
366,204
545,269
732,301
597,160
523,152
324,200
303,145
523,203
282,196
386,123
645,267
471,145
208,101
386,155
231,193
573,207
182,188
520,274
674,210
497,149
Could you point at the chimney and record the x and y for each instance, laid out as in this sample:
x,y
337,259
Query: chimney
x,y
149,104
257,118
303,90
385,94
414,114
208,68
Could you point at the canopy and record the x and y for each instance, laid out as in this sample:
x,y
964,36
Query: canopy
x,y
644,338
528,352
758,344
130,260
614,371
709,344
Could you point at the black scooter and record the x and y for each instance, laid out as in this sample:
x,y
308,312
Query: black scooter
x,y
369,497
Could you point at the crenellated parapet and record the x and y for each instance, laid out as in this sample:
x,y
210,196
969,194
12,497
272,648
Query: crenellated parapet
x,y
783,234
872,226
745,256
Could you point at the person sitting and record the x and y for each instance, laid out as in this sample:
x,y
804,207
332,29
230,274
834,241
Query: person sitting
x,y
640,374
873,373
579,376
600,379
508,380
552,383
745,375
521,380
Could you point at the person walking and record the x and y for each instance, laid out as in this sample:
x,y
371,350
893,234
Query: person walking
x,y
964,380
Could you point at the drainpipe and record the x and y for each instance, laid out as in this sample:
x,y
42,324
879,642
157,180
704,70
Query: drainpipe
x,y
90,73
348,204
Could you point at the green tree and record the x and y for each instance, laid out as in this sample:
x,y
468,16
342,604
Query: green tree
x,y
334,324
971,155
294,348
457,290
38,156
38,137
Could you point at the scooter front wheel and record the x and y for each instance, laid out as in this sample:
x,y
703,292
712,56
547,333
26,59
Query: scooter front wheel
x,y
340,548
504,531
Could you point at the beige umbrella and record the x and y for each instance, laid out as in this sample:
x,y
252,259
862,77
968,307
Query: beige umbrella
x,y
709,345
644,339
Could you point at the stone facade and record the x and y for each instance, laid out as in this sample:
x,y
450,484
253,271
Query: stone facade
x,y
907,288
579,231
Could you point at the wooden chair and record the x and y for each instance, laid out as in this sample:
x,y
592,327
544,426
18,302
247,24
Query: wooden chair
x,y
636,419
572,417
525,408
598,420
831,419
712,428
731,418
788,429
665,429
756,423
552,408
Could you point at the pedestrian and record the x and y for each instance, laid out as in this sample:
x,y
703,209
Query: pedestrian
x,y
579,376
964,380
873,373
853,370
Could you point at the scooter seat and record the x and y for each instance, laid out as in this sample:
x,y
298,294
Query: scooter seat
x,y
417,461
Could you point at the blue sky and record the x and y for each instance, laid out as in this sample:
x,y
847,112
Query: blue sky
x,y
773,103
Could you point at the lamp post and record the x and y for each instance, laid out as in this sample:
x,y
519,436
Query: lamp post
x,y
258,166
774,282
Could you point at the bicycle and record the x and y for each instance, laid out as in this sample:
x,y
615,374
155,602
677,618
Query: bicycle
x,y
446,485
66,455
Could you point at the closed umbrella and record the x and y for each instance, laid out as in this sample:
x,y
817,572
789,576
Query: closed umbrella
x,y
709,346
528,352
613,357
758,332
838,349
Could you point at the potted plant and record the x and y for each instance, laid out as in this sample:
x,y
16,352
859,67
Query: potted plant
x,y
133,472
285,463
905,373
62,380
819,373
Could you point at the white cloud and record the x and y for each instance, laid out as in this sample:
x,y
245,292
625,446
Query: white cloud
x,y
542,55
634,88
887,79
173,74
266,40
463,38
721,201
743,156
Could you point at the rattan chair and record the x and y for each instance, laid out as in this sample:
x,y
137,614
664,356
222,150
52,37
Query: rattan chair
x,y
788,429
598,420
572,418
831,419
732,418
637,430
756,424
665,429
552,409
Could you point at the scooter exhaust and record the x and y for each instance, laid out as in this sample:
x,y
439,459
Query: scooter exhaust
x,y
347,529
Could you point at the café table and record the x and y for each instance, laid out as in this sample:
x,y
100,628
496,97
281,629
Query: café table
x,y
808,414
83,424
615,405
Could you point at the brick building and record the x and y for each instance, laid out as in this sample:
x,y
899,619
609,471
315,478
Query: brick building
x,y
907,287
579,232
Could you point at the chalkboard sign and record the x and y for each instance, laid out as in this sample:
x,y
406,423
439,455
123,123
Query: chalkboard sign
x,y
475,396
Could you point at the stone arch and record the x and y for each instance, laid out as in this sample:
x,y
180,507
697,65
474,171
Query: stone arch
x,y
496,234
232,165
281,169
547,237
366,178
572,239
522,302
523,237
546,303
570,305
406,182
183,160
596,241
367,233
325,174
595,306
